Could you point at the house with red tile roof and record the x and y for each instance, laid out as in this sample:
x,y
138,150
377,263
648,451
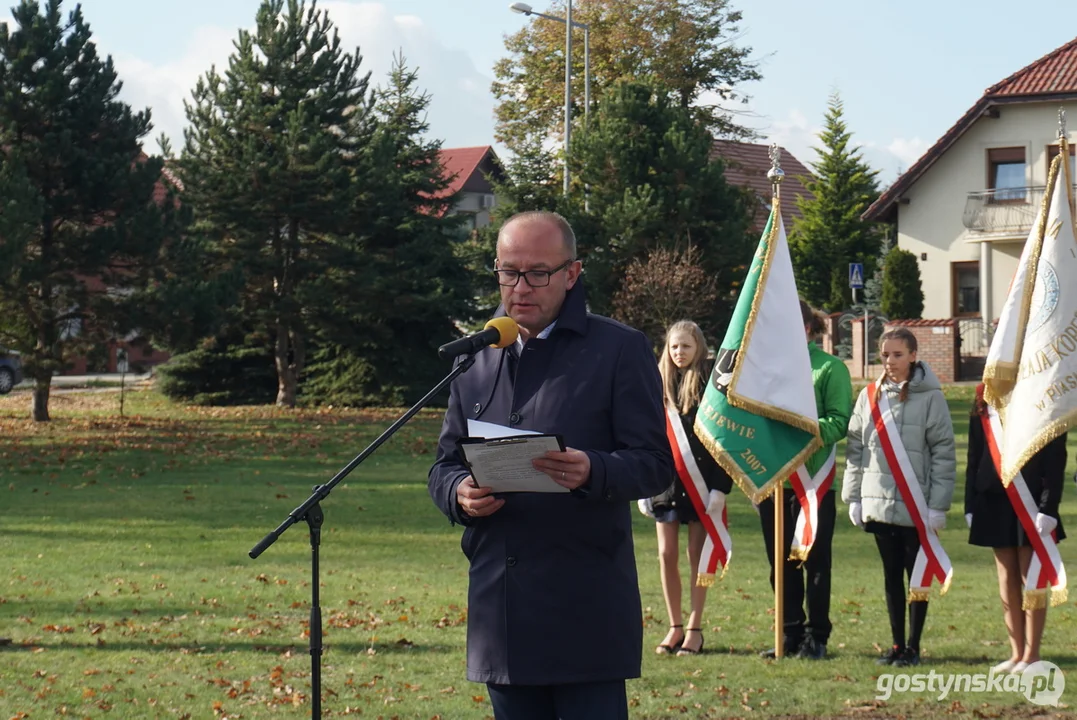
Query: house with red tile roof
x,y
470,170
967,205
134,351
746,166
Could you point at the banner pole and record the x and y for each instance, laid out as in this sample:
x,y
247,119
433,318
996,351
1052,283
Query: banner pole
x,y
776,176
779,567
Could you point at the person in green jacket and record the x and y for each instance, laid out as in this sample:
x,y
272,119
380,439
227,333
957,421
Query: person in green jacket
x,y
806,634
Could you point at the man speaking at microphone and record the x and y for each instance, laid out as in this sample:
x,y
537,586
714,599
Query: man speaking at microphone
x,y
554,617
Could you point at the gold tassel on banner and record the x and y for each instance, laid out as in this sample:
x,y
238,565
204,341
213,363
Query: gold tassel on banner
x,y
708,579
1034,600
919,595
1039,599
799,555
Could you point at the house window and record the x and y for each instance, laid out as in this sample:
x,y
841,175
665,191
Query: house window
x,y
1006,174
965,281
1052,151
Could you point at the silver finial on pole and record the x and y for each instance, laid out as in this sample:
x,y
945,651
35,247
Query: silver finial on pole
x,y
776,174
1061,122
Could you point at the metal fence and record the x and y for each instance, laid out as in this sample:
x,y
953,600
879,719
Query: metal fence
x,y
975,336
1002,210
843,346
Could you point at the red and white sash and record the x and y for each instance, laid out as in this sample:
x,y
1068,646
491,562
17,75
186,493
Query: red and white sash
x,y
809,490
932,563
1046,573
718,547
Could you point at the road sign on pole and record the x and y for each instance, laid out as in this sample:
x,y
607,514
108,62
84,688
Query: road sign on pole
x,y
856,276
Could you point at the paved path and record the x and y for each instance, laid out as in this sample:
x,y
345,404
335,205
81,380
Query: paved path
x,y
104,382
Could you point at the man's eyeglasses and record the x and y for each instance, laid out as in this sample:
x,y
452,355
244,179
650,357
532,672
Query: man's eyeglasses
x,y
534,278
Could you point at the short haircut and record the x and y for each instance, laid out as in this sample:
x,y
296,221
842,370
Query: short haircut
x,y
812,321
568,237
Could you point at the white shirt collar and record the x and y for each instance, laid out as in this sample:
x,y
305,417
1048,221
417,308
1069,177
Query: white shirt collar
x,y
541,336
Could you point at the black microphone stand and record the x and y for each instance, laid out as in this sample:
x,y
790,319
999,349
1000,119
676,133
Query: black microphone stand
x,y
311,512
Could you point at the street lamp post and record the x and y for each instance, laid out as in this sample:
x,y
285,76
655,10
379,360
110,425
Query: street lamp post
x,y
525,9
568,86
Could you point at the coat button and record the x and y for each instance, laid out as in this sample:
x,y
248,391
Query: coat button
x,y
514,419
477,408
511,561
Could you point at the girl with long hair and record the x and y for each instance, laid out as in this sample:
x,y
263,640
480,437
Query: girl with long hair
x,y
684,370
877,491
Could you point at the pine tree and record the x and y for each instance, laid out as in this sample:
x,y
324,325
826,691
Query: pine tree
x,y
80,230
831,234
654,185
275,164
383,347
903,294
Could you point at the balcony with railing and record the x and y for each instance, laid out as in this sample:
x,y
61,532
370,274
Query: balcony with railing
x,y
1010,211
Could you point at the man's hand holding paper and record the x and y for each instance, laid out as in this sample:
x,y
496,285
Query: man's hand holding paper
x,y
508,463
476,501
569,468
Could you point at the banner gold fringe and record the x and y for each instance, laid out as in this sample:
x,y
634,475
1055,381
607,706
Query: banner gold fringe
x,y
706,580
1039,599
925,595
1034,600
799,554
1046,435
756,494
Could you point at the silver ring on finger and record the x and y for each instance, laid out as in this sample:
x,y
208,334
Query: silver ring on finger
x,y
562,476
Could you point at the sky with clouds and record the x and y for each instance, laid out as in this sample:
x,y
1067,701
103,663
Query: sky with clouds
x,y
905,71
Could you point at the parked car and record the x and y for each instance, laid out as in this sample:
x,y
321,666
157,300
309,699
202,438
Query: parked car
x,y
10,370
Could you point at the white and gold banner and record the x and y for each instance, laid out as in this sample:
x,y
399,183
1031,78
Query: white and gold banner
x,y
1031,372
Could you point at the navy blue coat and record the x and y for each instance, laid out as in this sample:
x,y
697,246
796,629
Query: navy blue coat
x,y
553,595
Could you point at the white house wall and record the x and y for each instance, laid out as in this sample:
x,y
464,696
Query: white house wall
x,y
931,222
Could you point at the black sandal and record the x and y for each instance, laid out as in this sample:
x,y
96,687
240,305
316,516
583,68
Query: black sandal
x,y
689,651
667,649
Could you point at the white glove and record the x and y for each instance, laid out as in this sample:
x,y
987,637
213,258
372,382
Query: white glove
x,y
645,507
856,514
968,519
715,502
1045,524
936,519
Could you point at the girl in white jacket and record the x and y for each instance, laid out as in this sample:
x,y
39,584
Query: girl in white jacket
x,y
924,431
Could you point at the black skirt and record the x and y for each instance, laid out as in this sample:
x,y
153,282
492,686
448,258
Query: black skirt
x,y
676,507
995,524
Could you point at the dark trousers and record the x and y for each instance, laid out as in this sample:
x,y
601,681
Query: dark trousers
x,y
812,580
898,546
576,701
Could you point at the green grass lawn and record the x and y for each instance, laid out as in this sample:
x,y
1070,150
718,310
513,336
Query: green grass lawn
x,y
128,590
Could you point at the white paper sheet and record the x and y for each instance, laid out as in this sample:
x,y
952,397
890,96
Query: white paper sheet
x,y
505,464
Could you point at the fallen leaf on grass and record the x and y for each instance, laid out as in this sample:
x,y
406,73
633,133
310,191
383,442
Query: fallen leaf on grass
x,y
59,628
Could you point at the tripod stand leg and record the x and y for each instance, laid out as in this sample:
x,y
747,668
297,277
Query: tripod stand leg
x,y
314,518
